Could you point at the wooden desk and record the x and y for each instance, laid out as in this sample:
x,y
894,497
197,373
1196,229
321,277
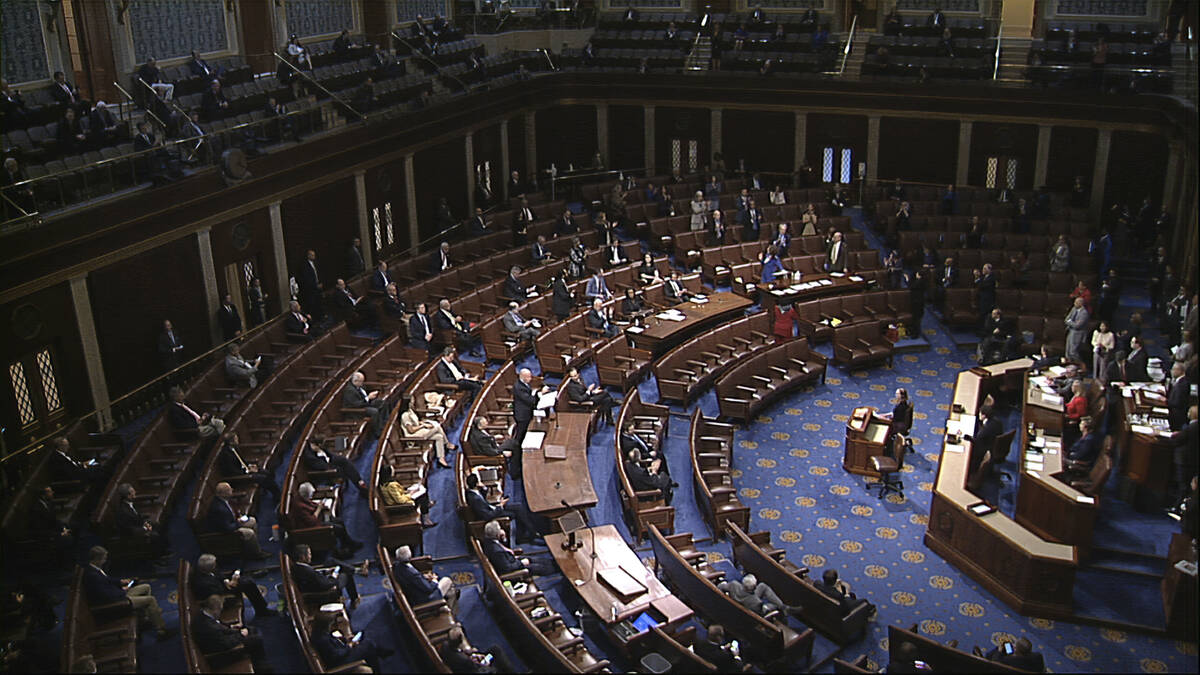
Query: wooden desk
x,y
550,481
1026,571
1179,592
1050,507
1149,458
786,295
865,438
617,562
659,335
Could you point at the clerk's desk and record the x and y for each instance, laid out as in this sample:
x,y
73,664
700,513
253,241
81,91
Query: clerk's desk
x,y
1033,575
1047,505
866,434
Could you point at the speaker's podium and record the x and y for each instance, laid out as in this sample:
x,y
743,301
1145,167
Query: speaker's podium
x,y
866,437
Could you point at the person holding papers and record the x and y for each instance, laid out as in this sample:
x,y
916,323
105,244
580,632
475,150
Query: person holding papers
x,y
772,267
598,318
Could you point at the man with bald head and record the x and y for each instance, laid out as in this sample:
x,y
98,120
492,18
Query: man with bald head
x,y
524,401
223,516
356,397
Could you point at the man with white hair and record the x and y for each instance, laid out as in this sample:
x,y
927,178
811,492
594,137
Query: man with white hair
x,y
766,595
206,582
354,396
419,587
308,514
524,402
223,517
524,329
239,369
504,559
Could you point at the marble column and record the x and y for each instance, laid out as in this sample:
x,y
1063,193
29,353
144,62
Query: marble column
x,y
91,351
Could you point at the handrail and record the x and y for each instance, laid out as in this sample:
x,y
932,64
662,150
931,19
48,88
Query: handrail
x,y
437,68
849,45
129,97
171,101
320,86
996,68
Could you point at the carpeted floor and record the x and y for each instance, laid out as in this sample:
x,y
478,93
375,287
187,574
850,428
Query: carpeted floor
x,y
788,469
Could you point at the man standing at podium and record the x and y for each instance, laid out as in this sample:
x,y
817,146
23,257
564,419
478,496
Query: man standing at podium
x,y
902,413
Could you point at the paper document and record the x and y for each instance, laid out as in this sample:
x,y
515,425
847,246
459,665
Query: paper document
x,y
547,400
635,329
533,440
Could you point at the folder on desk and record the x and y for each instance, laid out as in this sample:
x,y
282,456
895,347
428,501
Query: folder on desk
x,y
555,451
622,582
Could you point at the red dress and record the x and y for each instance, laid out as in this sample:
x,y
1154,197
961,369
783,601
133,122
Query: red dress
x,y
785,323
1076,408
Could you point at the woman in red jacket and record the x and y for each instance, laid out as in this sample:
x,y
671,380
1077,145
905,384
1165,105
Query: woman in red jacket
x,y
785,323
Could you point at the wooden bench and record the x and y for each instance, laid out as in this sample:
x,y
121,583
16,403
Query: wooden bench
x,y
858,345
786,645
711,445
942,659
235,660
759,380
429,622
643,507
107,633
302,609
691,367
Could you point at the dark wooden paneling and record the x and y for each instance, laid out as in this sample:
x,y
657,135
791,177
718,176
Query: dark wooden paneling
x,y
1137,166
626,137
487,149
836,131
566,136
516,147
324,220
247,238
130,300
989,139
685,124
917,150
376,26
258,34
765,140
385,185
96,49
44,319
1072,153
440,171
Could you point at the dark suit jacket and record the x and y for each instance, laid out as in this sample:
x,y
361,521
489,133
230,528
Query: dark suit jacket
x,y
379,282
538,253
723,660
986,288
503,560
457,661
61,96
293,325
435,262
416,586
212,636
165,346
180,418
306,278
948,278
641,479
1177,402
221,517
597,321
309,580
523,402
837,264
205,584
43,521
560,299
631,307
633,441
393,306
443,374
352,397
416,331
482,442
988,432
480,506
230,321
227,461
902,417
514,289
64,469
1136,364
355,264
129,522
313,461
333,652
100,588
577,391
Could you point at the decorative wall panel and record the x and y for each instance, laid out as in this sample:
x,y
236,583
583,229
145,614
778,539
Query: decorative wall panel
x,y
408,10
319,17
24,49
167,29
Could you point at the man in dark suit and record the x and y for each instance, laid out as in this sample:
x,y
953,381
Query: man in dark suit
x,y
440,262
513,288
504,559
350,304
420,331
521,222
782,240
337,651
630,440
132,525
233,466
64,467
597,318
223,517
565,225
103,126
1022,658
212,636
393,304
989,427
752,222
648,478
310,579
65,93
309,281
297,322
1178,396
483,442
200,68
835,257
183,418
308,514
947,279
355,265
228,318
450,371
46,526
421,588
482,509
70,134
355,397
206,583
380,278
102,589
902,413
831,586
714,649
1137,362
538,253
985,290
1186,441
446,320
459,659
516,186
674,290
478,225
580,393
214,103
524,402
169,346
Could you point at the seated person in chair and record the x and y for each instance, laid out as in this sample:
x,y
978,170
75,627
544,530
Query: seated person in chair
x,y
419,587
505,559
580,393
212,636
650,477
355,397
336,651
598,318
839,590
450,371
308,514
206,582
484,442
309,579
482,509
318,458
